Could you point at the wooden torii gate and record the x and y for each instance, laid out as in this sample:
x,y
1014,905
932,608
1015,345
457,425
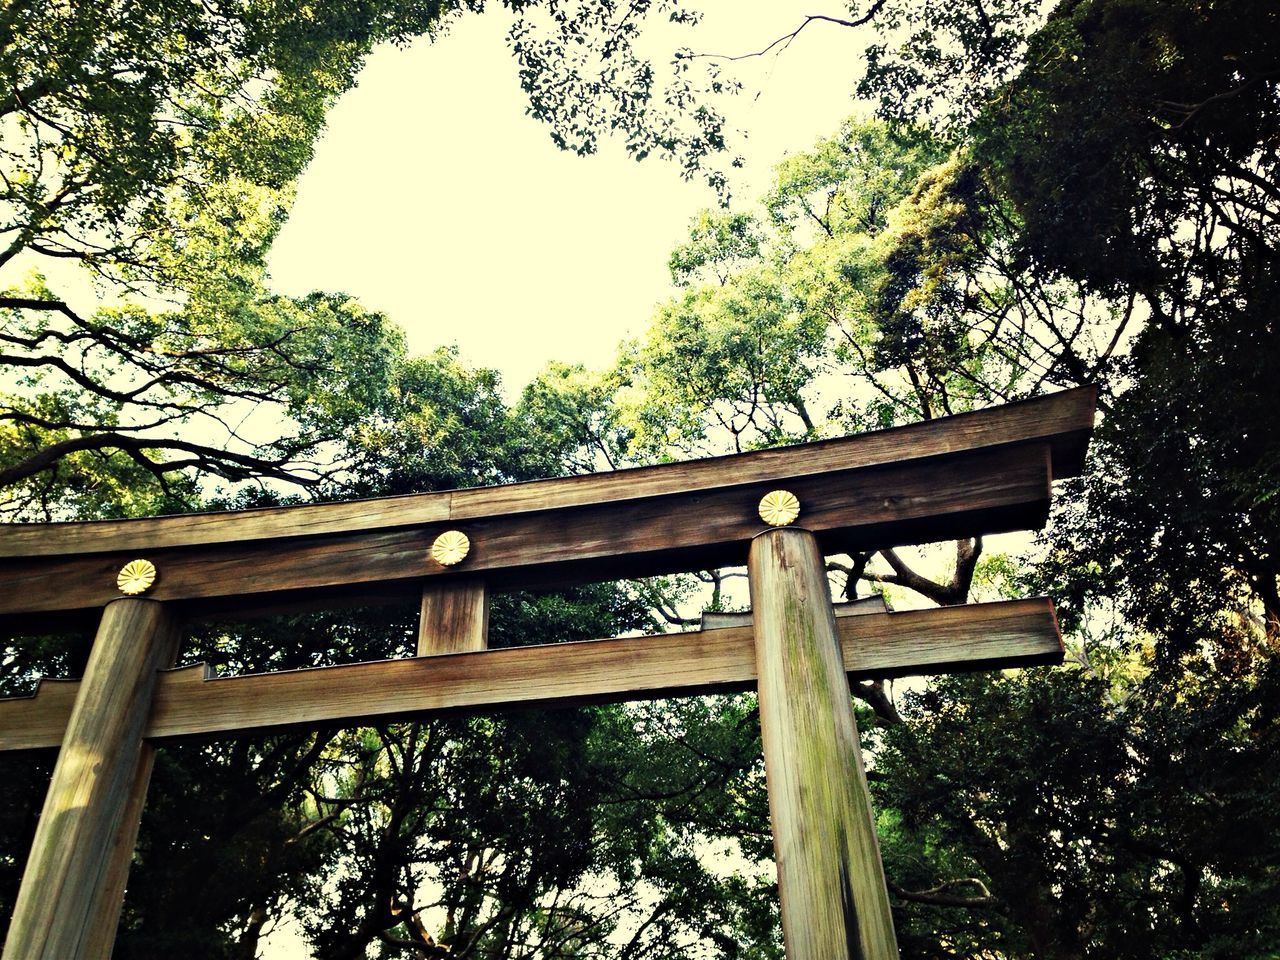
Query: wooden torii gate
x,y
977,473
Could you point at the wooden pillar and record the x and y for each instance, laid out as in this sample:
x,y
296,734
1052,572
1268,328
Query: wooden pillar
x,y
69,903
835,905
454,618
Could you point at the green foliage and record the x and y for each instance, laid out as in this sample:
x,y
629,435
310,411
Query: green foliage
x,y
572,410
1042,238
846,184
112,412
1175,181
1067,196
1065,808
718,243
942,62
110,110
770,304
157,150
882,261
437,425
585,73
1189,114
733,356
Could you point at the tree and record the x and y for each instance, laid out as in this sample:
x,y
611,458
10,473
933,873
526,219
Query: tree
x,y
947,298
157,150
1176,182
123,409
585,76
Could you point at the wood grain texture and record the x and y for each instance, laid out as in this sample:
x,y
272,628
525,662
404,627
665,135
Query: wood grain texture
x,y
1063,420
99,937
38,720
835,903
974,637
961,494
454,617
75,875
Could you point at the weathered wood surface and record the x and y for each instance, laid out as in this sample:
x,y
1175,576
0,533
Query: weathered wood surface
x,y
961,494
104,920
1063,420
1015,633
75,875
454,617
835,903
38,720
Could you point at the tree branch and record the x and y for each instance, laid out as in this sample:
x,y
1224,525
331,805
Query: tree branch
x,y
938,896
224,463
785,39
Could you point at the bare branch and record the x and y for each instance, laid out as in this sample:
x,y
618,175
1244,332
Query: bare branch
x,y
225,463
939,897
784,41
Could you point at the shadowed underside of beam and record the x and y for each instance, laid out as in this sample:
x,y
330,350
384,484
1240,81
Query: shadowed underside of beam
x,y
1014,633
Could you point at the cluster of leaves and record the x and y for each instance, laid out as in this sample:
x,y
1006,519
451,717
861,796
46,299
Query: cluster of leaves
x,y
881,273
1051,815
1169,196
586,71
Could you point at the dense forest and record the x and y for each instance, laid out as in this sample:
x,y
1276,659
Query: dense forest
x,y
1038,196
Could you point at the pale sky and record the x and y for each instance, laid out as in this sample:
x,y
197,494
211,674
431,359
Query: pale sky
x,y
434,198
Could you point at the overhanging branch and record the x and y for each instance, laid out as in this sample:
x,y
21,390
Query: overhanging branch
x,y
784,41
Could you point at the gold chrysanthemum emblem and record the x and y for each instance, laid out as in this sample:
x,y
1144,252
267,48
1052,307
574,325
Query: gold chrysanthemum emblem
x,y
136,577
779,508
450,547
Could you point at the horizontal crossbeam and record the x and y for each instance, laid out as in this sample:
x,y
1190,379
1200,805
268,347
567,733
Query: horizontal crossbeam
x,y
187,703
1063,420
985,472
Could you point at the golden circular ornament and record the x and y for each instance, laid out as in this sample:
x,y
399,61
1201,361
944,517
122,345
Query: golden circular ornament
x,y
779,508
136,577
450,547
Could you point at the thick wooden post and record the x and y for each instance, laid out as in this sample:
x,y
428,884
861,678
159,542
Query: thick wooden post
x,y
834,902
69,902
454,618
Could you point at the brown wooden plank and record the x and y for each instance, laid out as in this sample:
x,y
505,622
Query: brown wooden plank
x,y
38,720
835,903
75,874
1063,420
963,494
1015,633
454,617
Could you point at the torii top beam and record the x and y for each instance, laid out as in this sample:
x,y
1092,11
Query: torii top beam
x,y
975,473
